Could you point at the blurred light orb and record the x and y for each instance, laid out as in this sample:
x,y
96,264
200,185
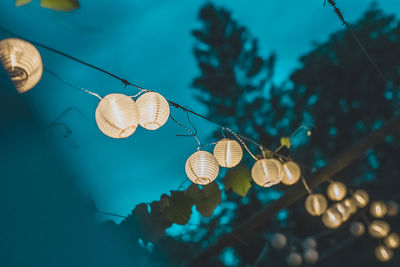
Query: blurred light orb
x,y
316,204
361,197
350,204
309,243
265,173
357,229
343,210
383,253
202,167
153,110
379,229
294,259
228,153
311,255
332,218
23,63
393,208
291,173
278,241
117,116
336,191
392,241
378,209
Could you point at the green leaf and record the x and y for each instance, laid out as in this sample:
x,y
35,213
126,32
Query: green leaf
x,y
238,179
60,5
211,198
285,141
22,2
178,209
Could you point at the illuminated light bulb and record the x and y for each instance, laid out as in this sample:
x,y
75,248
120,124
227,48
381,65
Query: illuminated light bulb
x,y
202,168
357,229
294,259
117,116
393,208
392,241
361,197
336,191
332,218
278,241
383,253
309,243
343,210
378,209
291,173
153,110
228,153
265,173
379,229
22,62
350,204
316,204
311,255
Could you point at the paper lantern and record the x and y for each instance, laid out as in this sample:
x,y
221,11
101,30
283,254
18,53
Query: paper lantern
x,y
378,209
357,229
311,255
316,204
383,253
336,191
22,62
393,208
294,259
117,116
309,243
153,110
228,153
332,218
361,197
343,210
202,168
379,229
392,241
291,173
350,204
265,173
278,241
280,169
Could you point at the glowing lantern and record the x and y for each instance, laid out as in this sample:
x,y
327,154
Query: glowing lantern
x,y
332,218
265,173
379,229
117,116
311,255
350,204
392,241
228,153
22,62
294,259
393,208
291,173
336,191
309,243
316,204
343,210
383,254
153,110
202,168
357,229
278,241
361,197
378,209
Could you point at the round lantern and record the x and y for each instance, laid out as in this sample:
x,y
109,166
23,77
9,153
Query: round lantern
x,y
309,243
22,62
393,208
332,218
336,191
153,110
392,241
350,204
117,116
383,253
378,209
291,173
357,229
311,255
379,229
361,197
294,259
265,173
228,153
343,210
278,241
316,204
202,168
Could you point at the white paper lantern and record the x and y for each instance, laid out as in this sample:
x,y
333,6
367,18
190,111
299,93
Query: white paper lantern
x,y
153,110
379,229
350,204
383,253
228,153
357,229
117,116
332,218
336,191
294,259
343,210
361,197
393,208
22,62
311,255
291,173
378,209
202,168
265,173
278,241
309,243
316,204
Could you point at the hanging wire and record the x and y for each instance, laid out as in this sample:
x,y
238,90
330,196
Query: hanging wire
x,y
306,185
138,94
188,130
241,141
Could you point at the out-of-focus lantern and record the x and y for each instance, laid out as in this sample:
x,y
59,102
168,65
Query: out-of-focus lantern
x,y
265,173
294,259
202,167
332,218
336,191
316,204
392,241
228,153
383,253
378,209
393,208
291,173
343,210
379,229
309,243
278,241
311,255
153,110
361,197
350,204
357,229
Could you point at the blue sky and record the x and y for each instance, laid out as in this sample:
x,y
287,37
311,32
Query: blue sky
x,y
148,43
